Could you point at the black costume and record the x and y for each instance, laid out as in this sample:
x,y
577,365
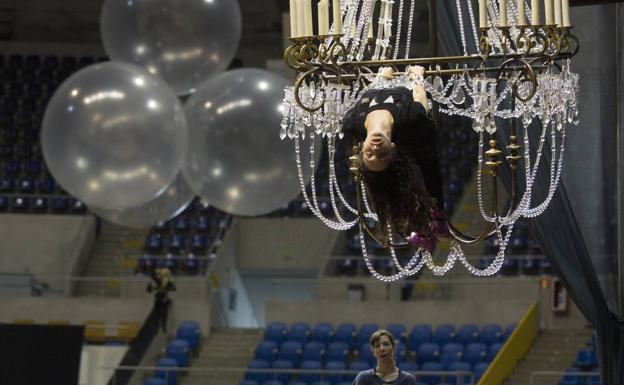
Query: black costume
x,y
370,377
413,133
161,299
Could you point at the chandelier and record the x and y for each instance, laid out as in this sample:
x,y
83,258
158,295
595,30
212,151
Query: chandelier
x,y
516,72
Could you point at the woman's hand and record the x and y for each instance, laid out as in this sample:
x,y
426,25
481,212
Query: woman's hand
x,y
386,73
415,72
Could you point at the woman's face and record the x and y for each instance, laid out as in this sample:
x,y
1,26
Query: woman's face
x,y
383,349
377,152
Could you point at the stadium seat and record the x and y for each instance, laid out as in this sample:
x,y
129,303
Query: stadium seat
x,y
336,351
275,331
400,352
259,377
266,350
508,331
408,366
299,331
451,353
346,333
170,376
7,185
365,353
291,351
323,332
493,350
39,204
467,334
154,381
20,203
272,382
313,351
431,379
365,333
570,378
490,334
190,332
511,266
4,203
309,377
444,334
479,369
180,351
427,352
459,366
334,378
595,378
399,331
248,382
586,359
475,353
283,365
357,366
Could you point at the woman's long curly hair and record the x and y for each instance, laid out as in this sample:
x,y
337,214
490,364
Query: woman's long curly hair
x,y
399,197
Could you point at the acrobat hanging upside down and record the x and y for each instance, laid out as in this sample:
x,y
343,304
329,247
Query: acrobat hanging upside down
x,y
399,156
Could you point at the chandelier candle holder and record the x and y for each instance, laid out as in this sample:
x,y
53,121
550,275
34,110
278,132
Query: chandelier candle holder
x,y
516,72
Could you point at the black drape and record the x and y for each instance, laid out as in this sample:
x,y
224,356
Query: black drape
x,y
557,230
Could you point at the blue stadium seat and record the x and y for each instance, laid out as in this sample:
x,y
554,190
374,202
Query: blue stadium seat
x,y
595,378
290,350
181,223
323,332
248,382
198,242
20,203
259,377
365,333
170,376
267,350
493,350
39,204
357,366
431,379
313,351
175,242
490,334
586,359
275,331
46,185
32,167
347,267
4,203
60,204
475,353
154,381
77,206
444,334
336,351
335,377
572,379
296,383
26,185
365,353
180,351
299,331
467,334
479,369
399,331
309,378
7,185
284,365
400,352
508,331
272,382
427,352
511,266
457,367
11,167
408,366
346,333
451,353
190,332
153,242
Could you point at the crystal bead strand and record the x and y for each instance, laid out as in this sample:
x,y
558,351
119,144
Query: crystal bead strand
x,y
475,34
410,24
332,198
461,26
397,41
368,19
479,181
361,29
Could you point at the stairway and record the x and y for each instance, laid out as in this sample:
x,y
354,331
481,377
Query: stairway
x,y
553,350
115,254
225,348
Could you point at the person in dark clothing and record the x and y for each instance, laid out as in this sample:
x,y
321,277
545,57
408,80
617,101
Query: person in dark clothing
x,y
161,286
385,372
399,159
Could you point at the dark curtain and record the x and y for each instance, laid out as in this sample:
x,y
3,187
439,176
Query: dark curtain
x,y
577,249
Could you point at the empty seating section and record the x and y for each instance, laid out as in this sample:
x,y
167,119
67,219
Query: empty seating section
x,y
27,84
186,244
584,370
178,354
334,354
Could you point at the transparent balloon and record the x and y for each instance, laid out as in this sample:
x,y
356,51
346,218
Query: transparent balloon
x,y
114,136
236,160
184,42
167,205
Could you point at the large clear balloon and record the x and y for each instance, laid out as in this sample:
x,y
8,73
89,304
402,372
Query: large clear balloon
x,y
167,205
183,41
236,160
114,136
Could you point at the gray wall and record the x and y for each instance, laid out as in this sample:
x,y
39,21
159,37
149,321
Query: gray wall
x,y
45,244
298,245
